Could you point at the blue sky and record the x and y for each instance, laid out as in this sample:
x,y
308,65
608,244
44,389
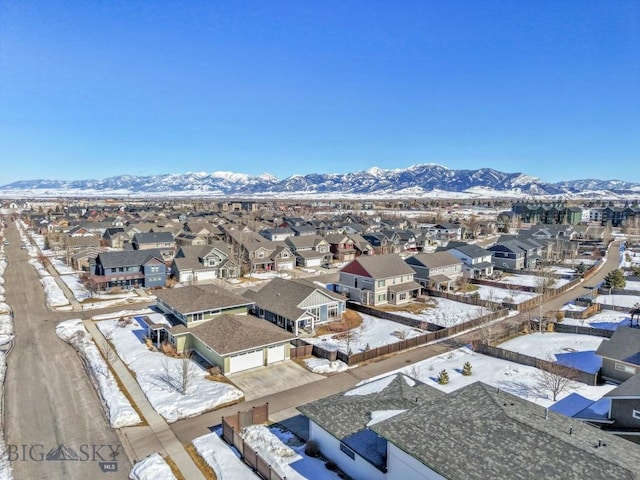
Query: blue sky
x,y
97,89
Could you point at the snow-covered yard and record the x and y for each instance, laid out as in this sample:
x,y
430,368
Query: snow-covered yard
x,y
77,288
446,313
562,270
632,285
373,332
520,380
117,406
160,377
607,319
152,468
532,281
626,301
498,295
220,457
569,349
630,258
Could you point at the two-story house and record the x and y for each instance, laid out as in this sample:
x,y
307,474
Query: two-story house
x,y
310,250
128,269
342,247
161,241
476,260
437,270
204,262
378,280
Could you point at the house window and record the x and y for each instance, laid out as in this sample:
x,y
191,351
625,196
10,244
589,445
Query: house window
x,y
347,451
636,414
381,283
621,367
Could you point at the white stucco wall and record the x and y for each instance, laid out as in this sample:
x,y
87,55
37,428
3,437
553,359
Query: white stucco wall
x,y
402,466
358,468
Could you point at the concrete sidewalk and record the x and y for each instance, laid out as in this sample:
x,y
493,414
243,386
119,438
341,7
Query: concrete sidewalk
x,y
157,437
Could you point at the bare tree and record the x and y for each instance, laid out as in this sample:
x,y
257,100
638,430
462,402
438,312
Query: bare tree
x,y
555,378
178,376
543,285
187,372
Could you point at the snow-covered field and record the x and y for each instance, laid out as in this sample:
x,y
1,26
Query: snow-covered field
x,y
532,281
117,406
447,313
547,346
160,377
373,332
494,294
514,378
152,468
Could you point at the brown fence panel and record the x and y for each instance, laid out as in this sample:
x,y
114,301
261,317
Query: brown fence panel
x,y
260,414
238,442
331,355
250,456
597,332
227,431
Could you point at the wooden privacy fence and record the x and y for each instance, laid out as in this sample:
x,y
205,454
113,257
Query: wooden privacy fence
x,y
597,332
394,317
555,368
617,291
300,348
404,344
232,425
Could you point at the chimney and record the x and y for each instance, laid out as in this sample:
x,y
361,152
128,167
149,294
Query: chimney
x,y
546,413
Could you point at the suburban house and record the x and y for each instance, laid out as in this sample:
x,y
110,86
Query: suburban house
x,y
310,250
378,280
296,305
397,428
621,354
162,241
213,323
187,238
508,255
128,269
205,262
437,270
476,260
342,247
444,232
380,243
279,234
115,237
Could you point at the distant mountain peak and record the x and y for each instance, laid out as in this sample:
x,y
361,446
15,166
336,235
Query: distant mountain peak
x,y
419,180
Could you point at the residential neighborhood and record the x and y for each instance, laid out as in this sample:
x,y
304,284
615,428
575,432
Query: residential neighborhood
x,y
196,318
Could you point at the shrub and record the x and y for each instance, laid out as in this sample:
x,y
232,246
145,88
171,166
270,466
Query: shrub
x,y
312,449
443,377
466,369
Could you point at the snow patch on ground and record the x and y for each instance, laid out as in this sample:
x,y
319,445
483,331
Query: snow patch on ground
x,y
546,345
322,365
221,458
6,472
53,293
152,468
117,406
447,313
626,301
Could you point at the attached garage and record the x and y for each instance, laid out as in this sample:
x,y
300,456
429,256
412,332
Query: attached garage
x,y
246,360
275,353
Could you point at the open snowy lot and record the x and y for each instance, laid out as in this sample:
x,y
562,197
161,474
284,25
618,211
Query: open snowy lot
x,y
494,294
447,313
608,319
373,332
532,281
161,377
626,301
514,378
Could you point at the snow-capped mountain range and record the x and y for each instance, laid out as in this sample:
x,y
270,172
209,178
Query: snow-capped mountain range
x,y
421,181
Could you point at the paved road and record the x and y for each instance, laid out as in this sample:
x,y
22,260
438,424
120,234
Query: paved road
x,y
49,399
283,403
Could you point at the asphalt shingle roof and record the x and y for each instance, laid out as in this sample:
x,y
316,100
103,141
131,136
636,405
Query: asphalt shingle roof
x,y
200,298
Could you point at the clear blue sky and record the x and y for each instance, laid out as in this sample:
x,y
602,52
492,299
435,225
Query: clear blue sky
x,y
93,89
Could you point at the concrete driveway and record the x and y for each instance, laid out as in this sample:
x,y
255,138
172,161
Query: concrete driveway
x,y
275,378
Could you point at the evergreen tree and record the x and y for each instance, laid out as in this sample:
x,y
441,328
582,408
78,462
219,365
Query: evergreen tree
x,y
615,279
466,369
443,377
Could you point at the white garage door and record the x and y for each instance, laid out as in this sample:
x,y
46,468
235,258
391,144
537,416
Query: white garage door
x,y
275,354
314,262
245,361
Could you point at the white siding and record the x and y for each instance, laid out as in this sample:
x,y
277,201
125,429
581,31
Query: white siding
x,y
358,468
402,466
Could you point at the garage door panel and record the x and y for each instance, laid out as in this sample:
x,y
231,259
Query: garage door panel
x,y
245,361
275,354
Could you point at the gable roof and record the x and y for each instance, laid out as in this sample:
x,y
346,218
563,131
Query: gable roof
x,y
153,237
629,388
282,297
624,345
472,250
378,266
200,298
480,432
434,260
236,333
128,258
